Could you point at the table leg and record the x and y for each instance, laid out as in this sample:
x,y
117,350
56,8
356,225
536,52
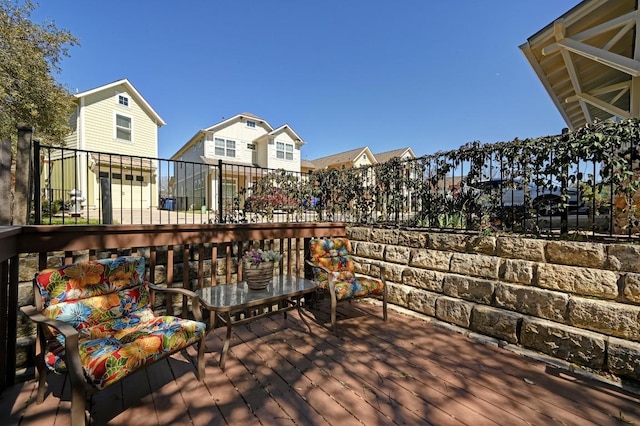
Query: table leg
x,y
212,320
302,315
227,340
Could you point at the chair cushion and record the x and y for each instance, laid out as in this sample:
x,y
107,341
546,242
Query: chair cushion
x,y
88,279
358,287
332,253
116,348
87,312
322,277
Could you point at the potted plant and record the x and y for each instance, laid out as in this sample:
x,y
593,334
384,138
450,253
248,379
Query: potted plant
x,y
258,267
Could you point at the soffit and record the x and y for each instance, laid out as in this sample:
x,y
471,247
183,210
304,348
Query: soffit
x,y
587,60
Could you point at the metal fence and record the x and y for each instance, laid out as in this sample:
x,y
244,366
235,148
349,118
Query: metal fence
x,y
77,187
532,187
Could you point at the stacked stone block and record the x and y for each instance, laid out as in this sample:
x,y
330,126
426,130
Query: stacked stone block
x,y
575,301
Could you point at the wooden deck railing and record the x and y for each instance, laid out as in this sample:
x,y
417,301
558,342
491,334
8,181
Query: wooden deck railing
x,y
224,241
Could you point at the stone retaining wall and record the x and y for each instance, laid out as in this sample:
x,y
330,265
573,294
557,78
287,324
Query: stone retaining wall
x,y
575,301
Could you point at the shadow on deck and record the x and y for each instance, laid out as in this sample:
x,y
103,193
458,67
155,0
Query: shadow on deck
x,y
404,371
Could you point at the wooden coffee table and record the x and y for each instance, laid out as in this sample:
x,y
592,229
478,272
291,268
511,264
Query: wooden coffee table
x,y
225,300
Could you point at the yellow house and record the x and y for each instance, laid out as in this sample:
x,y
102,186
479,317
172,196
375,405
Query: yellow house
x,y
117,132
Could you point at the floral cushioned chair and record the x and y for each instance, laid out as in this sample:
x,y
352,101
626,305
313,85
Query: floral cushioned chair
x,y
333,268
95,322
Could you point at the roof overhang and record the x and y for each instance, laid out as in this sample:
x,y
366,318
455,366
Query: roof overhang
x,y
588,60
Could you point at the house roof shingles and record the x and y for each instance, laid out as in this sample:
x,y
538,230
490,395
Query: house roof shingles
x,y
340,158
351,155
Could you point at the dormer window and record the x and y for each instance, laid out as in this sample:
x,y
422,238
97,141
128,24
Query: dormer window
x,y
123,100
251,124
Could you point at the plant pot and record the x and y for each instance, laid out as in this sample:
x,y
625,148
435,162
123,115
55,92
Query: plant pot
x,y
259,276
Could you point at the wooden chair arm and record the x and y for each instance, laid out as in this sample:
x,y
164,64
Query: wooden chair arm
x,y
71,335
62,327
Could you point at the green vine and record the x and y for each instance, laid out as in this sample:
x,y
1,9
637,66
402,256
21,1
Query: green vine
x,y
601,161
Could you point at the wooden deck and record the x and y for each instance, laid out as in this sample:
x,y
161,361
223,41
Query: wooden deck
x,y
404,371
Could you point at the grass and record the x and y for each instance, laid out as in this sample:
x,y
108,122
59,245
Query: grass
x,y
71,221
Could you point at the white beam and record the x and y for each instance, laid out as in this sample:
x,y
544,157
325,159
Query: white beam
x,y
621,88
616,38
613,110
634,97
626,19
619,95
559,32
625,85
610,59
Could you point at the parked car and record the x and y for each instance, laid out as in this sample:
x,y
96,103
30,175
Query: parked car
x,y
546,201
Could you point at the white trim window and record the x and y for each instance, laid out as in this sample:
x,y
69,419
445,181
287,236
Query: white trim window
x,y
123,100
225,147
284,151
123,128
251,124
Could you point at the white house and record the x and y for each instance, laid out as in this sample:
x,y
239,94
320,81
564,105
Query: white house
x,y
223,159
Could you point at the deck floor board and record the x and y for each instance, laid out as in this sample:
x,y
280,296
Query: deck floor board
x,y
405,371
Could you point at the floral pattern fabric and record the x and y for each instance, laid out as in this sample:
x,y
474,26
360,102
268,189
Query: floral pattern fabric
x,y
334,254
87,279
107,301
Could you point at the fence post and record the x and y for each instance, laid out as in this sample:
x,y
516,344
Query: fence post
x,y
21,200
5,181
107,207
220,207
37,191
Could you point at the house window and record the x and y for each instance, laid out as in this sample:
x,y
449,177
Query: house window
x,y
103,174
225,147
123,127
284,151
117,176
251,146
251,124
128,177
123,100
139,178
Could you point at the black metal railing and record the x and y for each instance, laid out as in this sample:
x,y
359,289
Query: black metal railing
x,y
524,186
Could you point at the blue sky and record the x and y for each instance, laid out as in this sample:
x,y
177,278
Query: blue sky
x,y
432,75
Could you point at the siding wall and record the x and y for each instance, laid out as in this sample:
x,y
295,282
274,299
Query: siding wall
x,y
94,130
99,125
243,135
275,163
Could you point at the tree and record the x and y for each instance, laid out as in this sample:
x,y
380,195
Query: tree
x,y
30,55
